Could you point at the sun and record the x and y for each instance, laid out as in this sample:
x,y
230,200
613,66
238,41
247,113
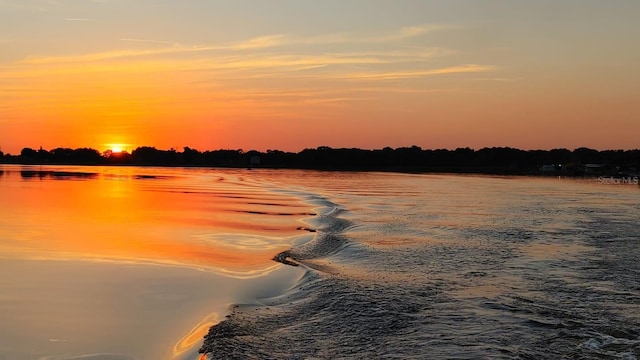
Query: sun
x,y
116,148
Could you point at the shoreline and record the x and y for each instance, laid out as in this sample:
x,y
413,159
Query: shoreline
x,y
495,160
414,171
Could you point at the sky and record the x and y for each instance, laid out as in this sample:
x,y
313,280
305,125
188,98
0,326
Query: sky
x,y
296,74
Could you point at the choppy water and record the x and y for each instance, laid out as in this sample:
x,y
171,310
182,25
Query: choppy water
x,y
419,266
136,263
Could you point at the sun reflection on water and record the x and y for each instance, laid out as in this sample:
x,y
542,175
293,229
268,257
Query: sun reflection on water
x,y
195,335
147,215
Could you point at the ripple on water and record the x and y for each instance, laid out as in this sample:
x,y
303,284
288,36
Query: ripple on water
x,y
529,275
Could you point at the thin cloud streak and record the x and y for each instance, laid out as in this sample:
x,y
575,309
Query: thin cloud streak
x,y
256,43
411,32
227,57
394,75
322,68
217,65
108,55
498,79
149,41
345,38
214,77
261,42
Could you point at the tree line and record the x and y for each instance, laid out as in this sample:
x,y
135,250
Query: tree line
x,y
494,160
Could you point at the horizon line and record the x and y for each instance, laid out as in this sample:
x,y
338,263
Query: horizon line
x,y
177,149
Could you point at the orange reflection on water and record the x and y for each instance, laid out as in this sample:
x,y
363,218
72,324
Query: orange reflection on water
x,y
168,219
195,336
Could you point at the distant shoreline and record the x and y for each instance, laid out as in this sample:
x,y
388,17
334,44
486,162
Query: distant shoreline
x,y
581,162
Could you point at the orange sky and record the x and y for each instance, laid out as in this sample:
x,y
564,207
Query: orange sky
x,y
291,75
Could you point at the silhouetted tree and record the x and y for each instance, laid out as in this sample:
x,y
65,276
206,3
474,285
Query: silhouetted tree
x,y
28,153
586,155
497,160
116,158
191,156
560,156
147,155
86,156
61,155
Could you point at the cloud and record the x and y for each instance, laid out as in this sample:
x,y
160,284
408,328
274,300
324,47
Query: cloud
x,y
245,66
270,59
176,48
394,75
498,79
150,41
321,66
411,32
258,43
402,34
108,55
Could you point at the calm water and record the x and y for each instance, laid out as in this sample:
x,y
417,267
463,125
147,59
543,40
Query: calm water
x,y
137,263
131,263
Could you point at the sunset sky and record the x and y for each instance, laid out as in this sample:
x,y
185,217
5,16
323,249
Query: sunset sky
x,y
295,74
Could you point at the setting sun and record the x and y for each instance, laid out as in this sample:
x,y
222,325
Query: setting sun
x,y
116,148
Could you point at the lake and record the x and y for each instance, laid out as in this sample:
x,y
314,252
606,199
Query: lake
x,y
137,263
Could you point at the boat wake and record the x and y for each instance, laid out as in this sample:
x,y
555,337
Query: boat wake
x,y
390,277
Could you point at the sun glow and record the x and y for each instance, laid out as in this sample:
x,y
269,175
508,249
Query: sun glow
x,y
116,148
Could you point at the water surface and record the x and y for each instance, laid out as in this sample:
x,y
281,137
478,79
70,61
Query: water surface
x,y
137,263
134,263
436,266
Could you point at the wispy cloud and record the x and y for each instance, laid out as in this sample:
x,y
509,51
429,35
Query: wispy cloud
x,y
394,75
348,38
218,74
498,79
254,43
220,62
335,66
109,55
411,32
405,90
176,48
258,43
164,42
